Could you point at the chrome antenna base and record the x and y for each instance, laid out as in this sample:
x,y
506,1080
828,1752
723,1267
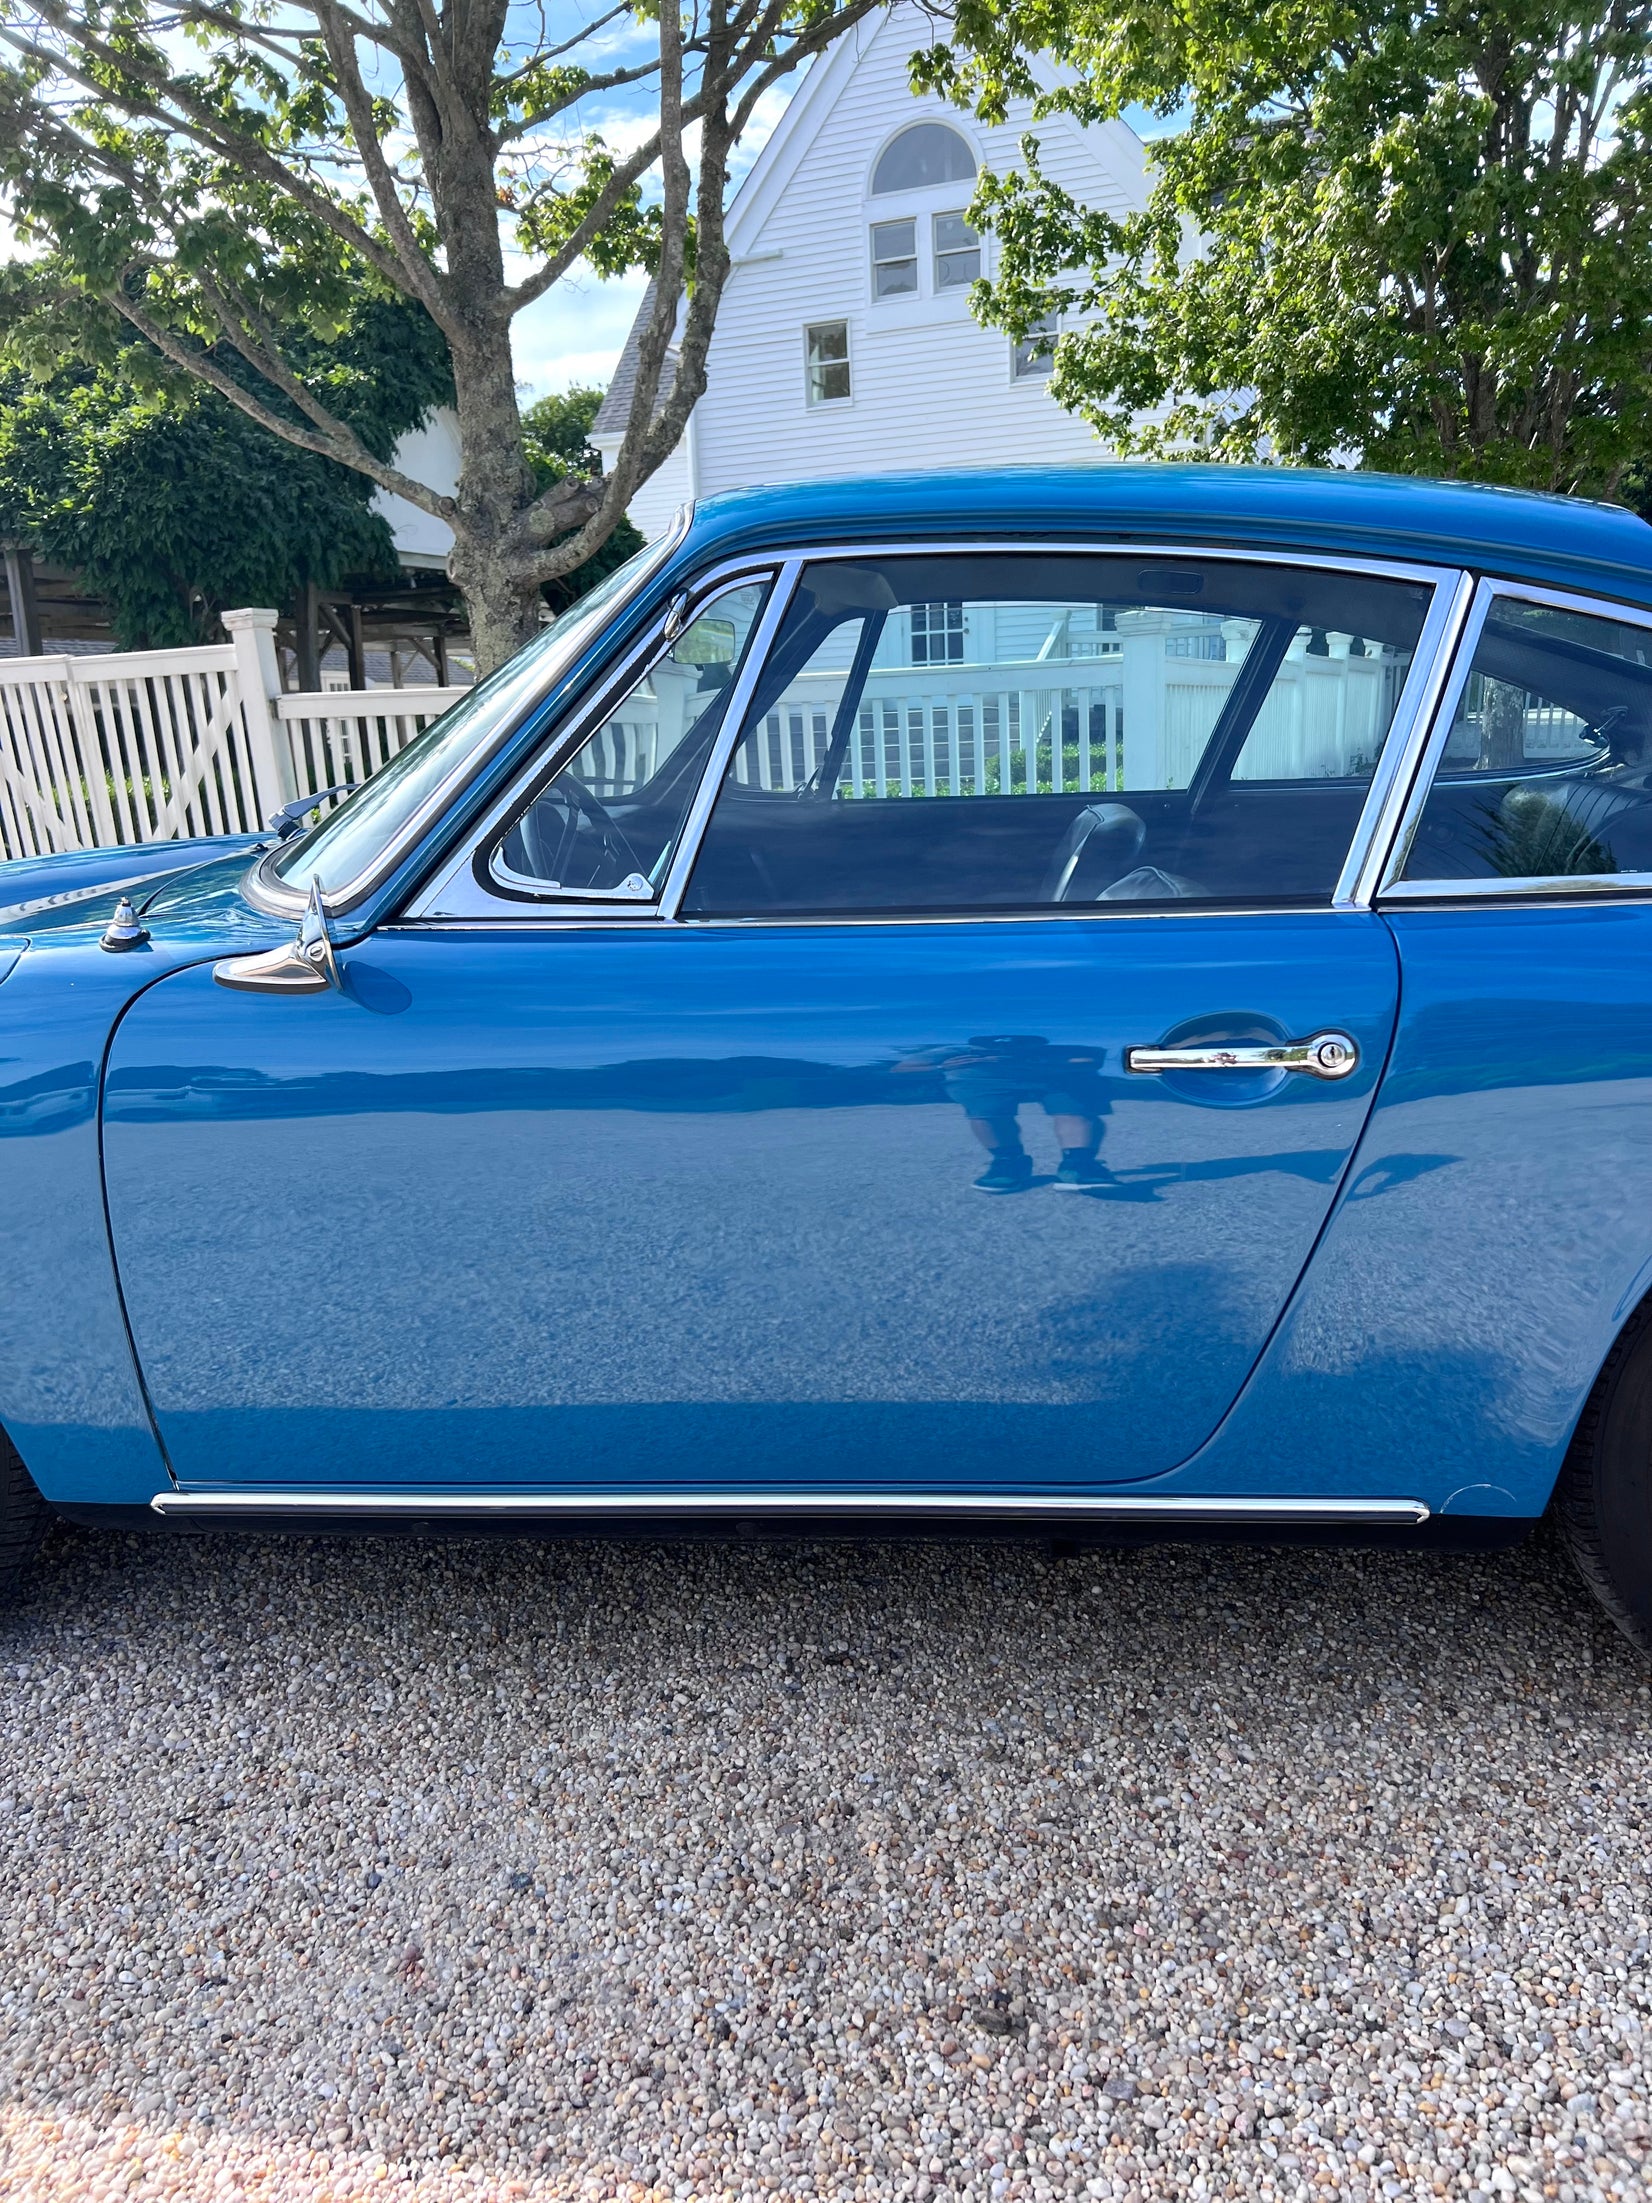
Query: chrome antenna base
x,y
123,930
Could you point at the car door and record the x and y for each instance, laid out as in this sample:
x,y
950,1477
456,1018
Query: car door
x,y
890,1126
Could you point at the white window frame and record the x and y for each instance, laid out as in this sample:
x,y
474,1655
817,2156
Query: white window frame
x,y
912,259
824,404
1036,374
937,255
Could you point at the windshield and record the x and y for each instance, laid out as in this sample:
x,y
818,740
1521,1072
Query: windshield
x,y
348,842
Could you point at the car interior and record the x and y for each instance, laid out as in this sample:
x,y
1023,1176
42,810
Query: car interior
x,y
1226,834
1561,684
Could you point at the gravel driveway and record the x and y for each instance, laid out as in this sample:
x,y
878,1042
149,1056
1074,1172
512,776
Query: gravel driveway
x,y
337,1870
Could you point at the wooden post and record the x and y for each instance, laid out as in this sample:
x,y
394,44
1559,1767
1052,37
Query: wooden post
x,y
252,631
25,611
308,621
355,647
440,639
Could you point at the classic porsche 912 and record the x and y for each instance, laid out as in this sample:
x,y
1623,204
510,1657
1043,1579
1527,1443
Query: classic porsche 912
x,y
1118,1000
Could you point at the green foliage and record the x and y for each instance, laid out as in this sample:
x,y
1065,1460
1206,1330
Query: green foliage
x,y
1420,236
174,505
556,434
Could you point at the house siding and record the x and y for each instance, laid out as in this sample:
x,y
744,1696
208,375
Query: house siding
x,y
931,387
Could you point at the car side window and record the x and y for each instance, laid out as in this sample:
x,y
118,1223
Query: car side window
x,y
1547,766
1020,729
608,822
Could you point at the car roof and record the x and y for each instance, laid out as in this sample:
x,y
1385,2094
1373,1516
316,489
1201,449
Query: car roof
x,y
1562,542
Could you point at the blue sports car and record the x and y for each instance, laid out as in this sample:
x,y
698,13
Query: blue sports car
x,y
1115,1001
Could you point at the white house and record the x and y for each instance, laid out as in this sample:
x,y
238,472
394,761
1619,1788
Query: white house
x,y
844,343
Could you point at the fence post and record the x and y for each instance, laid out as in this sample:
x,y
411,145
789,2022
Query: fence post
x,y
258,676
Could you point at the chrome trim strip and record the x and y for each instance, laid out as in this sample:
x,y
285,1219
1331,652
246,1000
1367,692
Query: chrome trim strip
x,y
684,856
1391,886
1397,766
1624,886
590,914
1056,1506
1373,817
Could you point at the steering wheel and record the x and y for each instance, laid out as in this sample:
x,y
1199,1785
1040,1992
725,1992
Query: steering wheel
x,y
580,814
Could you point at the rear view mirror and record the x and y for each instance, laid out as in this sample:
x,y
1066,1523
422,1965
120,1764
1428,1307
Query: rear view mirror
x,y
707,642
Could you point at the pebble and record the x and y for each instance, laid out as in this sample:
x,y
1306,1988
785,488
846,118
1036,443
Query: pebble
x,y
465,1872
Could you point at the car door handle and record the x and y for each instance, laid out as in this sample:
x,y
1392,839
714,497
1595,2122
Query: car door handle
x,y
1323,1056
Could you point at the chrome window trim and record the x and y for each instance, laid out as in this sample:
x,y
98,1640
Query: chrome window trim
x,y
500,917
1540,887
1392,888
1400,761
457,895
458,892
266,891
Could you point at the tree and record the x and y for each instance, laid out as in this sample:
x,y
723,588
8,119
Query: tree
x,y
217,172
171,502
1423,236
557,437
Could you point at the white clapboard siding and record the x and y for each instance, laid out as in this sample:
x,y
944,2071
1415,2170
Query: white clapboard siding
x,y
335,737
931,387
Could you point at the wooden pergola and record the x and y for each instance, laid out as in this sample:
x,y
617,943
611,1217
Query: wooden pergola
x,y
418,618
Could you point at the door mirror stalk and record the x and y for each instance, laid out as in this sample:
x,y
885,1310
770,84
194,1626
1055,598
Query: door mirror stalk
x,y
304,965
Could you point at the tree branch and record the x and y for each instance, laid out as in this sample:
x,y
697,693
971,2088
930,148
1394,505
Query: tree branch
x,y
338,442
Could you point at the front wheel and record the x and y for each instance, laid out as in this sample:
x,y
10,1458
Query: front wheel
x,y
1604,1497
23,1518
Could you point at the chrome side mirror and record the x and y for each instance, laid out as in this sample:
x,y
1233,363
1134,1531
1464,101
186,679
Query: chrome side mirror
x,y
306,965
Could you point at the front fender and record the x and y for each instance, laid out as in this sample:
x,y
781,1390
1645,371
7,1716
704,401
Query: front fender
x,y
70,1396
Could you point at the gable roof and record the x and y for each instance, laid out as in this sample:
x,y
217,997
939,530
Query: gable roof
x,y
615,409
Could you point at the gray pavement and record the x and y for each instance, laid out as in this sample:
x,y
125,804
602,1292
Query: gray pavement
x,y
336,1869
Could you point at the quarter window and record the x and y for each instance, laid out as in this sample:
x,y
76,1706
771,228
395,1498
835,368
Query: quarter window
x,y
826,346
1121,730
894,258
608,821
1547,767
957,252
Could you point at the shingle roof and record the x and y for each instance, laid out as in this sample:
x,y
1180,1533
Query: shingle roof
x,y
615,409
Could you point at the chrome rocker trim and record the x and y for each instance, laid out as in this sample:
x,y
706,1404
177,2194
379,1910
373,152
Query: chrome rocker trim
x,y
539,1506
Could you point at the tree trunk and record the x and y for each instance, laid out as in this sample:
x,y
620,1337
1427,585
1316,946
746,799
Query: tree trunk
x,y
495,488
502,607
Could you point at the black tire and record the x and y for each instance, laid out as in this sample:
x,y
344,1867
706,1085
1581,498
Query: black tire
x,y
1603,1501
23,1518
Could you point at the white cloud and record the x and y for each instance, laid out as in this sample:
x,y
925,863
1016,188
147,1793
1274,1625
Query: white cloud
x,y
575,334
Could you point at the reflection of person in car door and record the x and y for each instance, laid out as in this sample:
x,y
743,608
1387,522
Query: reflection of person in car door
x,y
994,1073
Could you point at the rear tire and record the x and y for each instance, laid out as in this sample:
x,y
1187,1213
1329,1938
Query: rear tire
x,y
1603,1501
23,1518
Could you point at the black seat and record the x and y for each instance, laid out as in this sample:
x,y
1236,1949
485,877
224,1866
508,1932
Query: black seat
x,y
1103,842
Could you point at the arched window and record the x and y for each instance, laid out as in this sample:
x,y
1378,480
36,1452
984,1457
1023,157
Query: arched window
x,y
927,153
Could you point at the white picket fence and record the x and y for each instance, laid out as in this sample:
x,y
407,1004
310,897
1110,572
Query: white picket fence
x,y
149,745
155,745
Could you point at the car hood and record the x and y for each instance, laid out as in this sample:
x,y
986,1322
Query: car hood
x,y
81,887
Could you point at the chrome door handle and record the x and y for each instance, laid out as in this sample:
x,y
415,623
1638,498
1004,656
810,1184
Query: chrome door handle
x,y
1323,1056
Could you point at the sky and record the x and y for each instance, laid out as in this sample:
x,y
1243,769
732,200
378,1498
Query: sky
x,y
574,334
